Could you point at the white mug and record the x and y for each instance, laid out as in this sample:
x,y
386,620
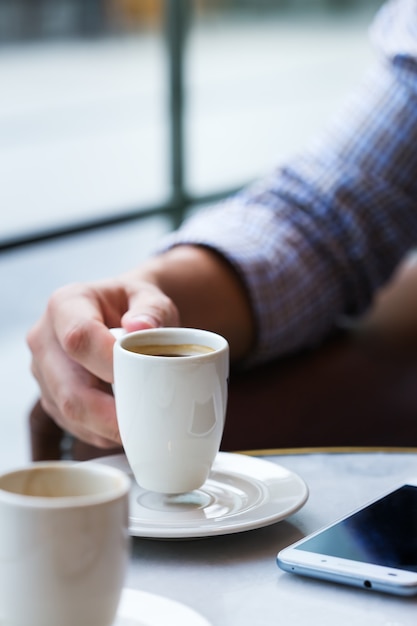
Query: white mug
x,y
64,544
171,394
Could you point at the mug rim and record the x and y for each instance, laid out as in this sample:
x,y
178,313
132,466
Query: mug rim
x,y
175,336
114,493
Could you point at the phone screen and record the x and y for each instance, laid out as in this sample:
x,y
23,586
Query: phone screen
x,y
383,533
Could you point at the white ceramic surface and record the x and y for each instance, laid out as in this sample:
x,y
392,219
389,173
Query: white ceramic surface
x,y
241,493
139,608
64,544
171,410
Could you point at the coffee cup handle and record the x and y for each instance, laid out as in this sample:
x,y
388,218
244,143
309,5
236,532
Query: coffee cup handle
x,y
117,332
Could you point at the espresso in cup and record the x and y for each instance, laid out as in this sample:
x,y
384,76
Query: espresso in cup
x,y
171,350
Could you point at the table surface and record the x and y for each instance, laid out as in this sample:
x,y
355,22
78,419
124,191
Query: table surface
x,y
234,579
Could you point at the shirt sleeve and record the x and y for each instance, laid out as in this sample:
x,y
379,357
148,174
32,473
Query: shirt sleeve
x,y
315,238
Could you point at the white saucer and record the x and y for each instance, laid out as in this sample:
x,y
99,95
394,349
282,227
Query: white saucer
x,y
138,608
242,493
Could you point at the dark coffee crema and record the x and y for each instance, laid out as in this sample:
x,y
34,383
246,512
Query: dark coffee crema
x,y
172,350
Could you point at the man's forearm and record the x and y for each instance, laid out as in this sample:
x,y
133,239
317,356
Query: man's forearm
x,y
207,292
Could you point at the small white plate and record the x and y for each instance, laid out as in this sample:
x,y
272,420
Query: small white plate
x,y
139,608
242,493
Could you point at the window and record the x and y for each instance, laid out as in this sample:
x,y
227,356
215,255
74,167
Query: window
x,y
115,109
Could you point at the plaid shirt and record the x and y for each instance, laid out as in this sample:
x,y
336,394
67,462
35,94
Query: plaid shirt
x,y
315,238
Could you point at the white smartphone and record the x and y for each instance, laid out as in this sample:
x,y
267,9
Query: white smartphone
x,y
375,547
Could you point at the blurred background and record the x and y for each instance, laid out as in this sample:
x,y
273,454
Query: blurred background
x,y
117,117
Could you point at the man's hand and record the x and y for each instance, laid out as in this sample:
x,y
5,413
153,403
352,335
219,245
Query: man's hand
x,y
72,350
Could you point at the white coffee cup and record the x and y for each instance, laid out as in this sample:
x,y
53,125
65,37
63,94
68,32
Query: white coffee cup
x,y
64,544
171,409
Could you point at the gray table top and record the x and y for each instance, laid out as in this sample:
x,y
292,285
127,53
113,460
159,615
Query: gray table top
x,y
233,579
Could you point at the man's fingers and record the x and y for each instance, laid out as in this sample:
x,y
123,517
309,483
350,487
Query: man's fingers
x,y
80,322
149,308
77,400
